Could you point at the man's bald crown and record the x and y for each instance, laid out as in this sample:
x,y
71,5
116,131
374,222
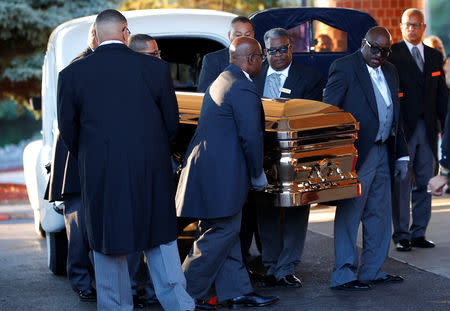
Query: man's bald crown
x,y
378,31
109,24
242,46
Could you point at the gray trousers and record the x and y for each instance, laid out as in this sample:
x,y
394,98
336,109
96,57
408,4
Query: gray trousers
x,y
113,280
215,257
134,261
422,166
79,266
373,210
282,233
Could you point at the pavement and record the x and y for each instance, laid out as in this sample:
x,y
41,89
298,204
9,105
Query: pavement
x,y
426,271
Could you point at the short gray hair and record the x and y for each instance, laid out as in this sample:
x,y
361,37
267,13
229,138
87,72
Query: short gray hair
x,y
138,42
275,33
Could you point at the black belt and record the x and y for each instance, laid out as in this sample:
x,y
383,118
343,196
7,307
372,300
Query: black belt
x,y
379,142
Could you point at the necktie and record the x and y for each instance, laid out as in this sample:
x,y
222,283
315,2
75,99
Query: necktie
x,y
416,54
272,87
379,82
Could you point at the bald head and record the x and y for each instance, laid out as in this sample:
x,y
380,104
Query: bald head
x,y
111,25
246,53
412,11
376,46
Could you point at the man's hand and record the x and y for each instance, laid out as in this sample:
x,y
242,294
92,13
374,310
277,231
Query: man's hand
x,y
436,184
260,182
401,169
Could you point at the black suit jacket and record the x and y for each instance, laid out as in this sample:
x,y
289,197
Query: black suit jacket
x,y
304,82
117,114
64,177
213,64
225,151
421,94
349,87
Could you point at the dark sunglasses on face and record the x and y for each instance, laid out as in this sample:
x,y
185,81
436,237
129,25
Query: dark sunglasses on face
x,y
375,50
282,50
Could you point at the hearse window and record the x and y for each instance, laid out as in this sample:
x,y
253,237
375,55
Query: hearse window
x,y
324,38
185,56
299,36
328,39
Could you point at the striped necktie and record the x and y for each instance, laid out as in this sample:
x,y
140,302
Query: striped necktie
x,y
272,86
417,57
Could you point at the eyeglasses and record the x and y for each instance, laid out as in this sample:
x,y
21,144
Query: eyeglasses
x,y
413,25
156,53
282,50
375,50
262,55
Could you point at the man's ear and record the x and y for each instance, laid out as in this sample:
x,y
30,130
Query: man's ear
x,y
363,42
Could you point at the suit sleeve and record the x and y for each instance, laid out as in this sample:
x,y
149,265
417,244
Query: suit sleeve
x,y
315,88
336,87
442,96
248,115
168,104
68,112
207,75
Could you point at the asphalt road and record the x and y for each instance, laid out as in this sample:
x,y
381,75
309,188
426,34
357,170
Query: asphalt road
x,y
27,284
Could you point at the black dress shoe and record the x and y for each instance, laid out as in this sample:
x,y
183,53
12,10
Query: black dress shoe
x,y
389,278
251,300
422,243
353,286
403,246
87,295
290,280
200,304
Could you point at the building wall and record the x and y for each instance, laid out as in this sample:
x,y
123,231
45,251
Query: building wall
x,y
387,13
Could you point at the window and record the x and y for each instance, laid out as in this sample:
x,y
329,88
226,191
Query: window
x,y
317,37
185,56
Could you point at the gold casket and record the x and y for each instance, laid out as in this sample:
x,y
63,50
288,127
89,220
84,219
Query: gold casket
x,y
309,152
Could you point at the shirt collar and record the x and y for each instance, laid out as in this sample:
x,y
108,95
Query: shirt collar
x,y
247,75
284,72
111,42
372,70
419,46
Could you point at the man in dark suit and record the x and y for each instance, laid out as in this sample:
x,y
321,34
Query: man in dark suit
x,y
64,185
283,231
117,113
224,157
214,63
423,104
365,85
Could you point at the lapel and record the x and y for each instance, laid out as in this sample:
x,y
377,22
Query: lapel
x,y
392,88
260,81
411,66
428,62
363,76
291,81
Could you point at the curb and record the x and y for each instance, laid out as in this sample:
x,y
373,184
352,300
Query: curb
x,y
16,210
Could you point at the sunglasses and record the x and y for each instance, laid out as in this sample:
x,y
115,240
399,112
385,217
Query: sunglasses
x,y
375,49
282,50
